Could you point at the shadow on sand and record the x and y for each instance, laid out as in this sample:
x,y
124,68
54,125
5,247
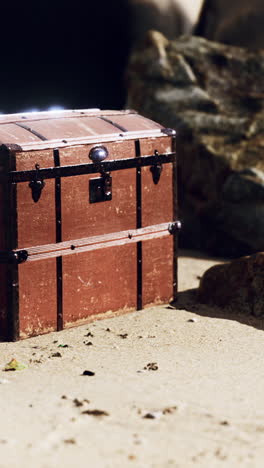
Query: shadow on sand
x,y
187,300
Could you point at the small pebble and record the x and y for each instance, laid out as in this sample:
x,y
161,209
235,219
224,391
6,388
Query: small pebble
x,y
123,335
153,415
77,402
151,366
88,372
193,320
96,412
56,355
70,441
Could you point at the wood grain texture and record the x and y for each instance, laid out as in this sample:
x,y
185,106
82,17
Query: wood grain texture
x,y
97,282
101,279
115,239
3,272
82,219
157,206
37,298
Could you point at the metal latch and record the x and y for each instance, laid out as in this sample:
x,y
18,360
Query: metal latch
x,y
100,188
36,185
20,256
174,227
156,170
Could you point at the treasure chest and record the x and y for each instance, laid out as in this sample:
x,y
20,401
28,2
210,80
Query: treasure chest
x,y
88,222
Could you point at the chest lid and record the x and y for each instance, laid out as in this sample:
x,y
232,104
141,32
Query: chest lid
x,y
44,130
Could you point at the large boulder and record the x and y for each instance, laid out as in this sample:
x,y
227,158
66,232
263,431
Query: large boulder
x,y
237,23
238,285
170,17
213,95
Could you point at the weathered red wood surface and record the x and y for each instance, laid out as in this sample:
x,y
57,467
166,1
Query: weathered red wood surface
x,y
3,272
36,226
93,282
157,207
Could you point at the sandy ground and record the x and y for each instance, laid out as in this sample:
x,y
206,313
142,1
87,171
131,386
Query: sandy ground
x,y
173,392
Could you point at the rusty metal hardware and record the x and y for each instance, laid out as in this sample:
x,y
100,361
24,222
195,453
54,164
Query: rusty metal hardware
x,y
98,154
100,188
169,131
174,227
156,169
20,256
36,185
80,169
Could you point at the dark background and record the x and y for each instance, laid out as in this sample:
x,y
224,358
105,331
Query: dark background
x,y
72,56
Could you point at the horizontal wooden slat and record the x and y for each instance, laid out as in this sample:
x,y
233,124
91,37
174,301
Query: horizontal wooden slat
x,y
97,242
97,139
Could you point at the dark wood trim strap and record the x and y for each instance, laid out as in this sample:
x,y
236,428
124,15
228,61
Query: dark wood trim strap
x,y
139,226
91,168
11,236
120,127
31,130
56,156
175,215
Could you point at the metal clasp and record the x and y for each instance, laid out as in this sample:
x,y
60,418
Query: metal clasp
x,y
100,188
174,227
20,256
36,185
156,170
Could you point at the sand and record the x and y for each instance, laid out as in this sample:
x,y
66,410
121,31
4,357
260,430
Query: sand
x,y
174,387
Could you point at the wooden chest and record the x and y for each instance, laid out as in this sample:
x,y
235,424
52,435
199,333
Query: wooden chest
x,y
88,220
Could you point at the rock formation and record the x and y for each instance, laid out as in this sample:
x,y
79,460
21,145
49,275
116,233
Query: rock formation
x,y
234,23
213,95
238,285
170,17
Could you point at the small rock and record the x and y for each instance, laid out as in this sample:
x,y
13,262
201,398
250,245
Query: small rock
x,y
237,285
70,441
123,335
192,320
57,354
89,334
88,372
151,366
96,412
225,423
153,415
77,402
169,410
